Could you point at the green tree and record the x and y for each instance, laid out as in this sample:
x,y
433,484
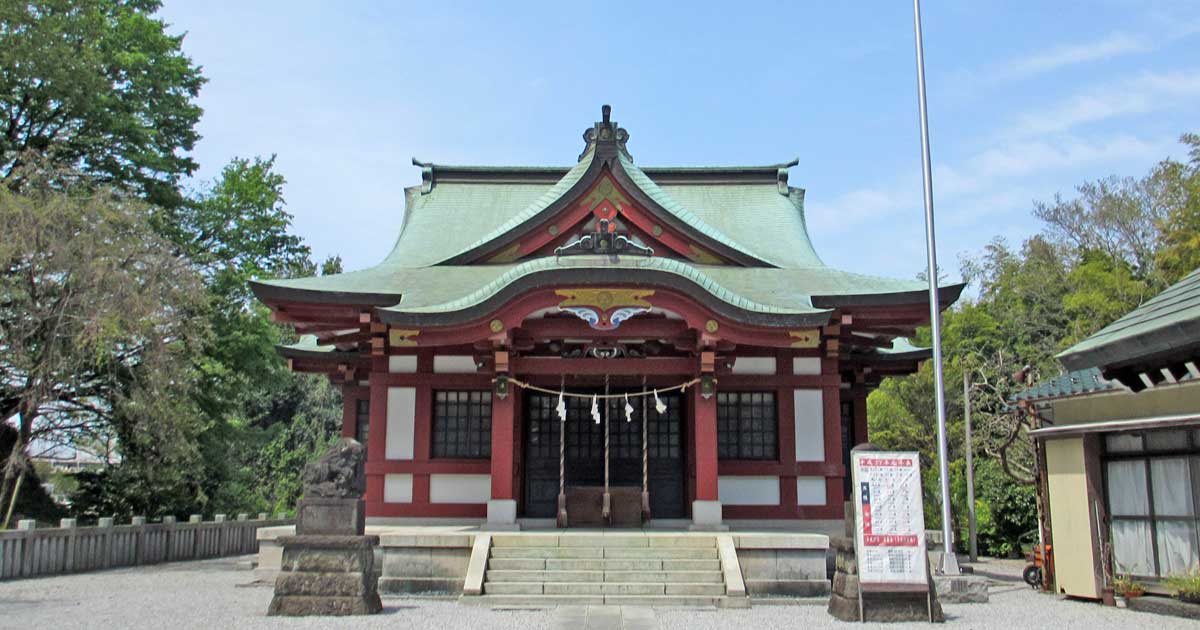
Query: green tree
x,y
1180,254
98,321
97,86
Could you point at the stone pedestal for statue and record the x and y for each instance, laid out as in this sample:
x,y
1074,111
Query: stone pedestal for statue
x,y
879,606
328,567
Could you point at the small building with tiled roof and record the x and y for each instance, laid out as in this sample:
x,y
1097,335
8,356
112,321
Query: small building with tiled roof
x,y
1121,437
663,341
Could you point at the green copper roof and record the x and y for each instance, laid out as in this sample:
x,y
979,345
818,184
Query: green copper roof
x,y
1075,383
532,209
748,213
669,204
1168,323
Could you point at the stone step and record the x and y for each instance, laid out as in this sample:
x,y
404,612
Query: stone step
x,y
547,552
544,576
695,577
614,553
549,601
556,564
705,577
664,553
603,541
601,588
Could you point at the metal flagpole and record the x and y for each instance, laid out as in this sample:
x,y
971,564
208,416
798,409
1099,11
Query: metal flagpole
x,y
972,539
949,561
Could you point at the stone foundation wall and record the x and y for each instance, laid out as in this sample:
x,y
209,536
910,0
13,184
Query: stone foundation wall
x,y
424,564
784,565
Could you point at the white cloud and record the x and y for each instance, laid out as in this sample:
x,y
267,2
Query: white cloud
x,y
1114,45
990,181
1145,93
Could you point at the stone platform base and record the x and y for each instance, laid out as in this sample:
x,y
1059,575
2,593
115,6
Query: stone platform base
x,y
877,607
326,575
961,589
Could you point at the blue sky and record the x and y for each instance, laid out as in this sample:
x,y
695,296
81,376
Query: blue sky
x,y
1026,99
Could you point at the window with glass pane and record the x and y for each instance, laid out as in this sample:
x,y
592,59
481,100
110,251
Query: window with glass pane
x,y
747,425
462,424
1151,483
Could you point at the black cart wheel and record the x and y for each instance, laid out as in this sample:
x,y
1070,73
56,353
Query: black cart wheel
x,y
1033,575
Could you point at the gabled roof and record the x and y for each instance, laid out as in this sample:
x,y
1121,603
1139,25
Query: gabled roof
x,y
1166,327
460,215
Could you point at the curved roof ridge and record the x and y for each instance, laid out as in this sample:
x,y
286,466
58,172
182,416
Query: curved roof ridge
x,y
666,265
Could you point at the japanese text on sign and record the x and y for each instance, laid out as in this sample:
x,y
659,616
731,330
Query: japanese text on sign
x,y
890,537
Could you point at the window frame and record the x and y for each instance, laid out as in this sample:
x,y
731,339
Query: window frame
x,y
472,431
1146,455
745,446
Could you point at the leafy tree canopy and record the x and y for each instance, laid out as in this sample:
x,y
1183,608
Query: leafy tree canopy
x,y
100,87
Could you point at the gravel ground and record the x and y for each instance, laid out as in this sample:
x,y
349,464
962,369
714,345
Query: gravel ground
x,y
217,594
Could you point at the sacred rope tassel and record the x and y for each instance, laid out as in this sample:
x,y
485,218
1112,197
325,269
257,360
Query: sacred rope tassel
x,y
561,408
628,410
595,409
659,405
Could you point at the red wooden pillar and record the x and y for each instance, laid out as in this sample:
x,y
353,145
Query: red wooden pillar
x,y
706,508
502,509
377,443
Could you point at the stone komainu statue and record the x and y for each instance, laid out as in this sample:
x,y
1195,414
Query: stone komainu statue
x,y
338,474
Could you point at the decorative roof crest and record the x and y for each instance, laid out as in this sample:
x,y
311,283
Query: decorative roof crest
x,y
606,137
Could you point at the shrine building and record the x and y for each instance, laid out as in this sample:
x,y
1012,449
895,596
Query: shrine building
x,y
604,345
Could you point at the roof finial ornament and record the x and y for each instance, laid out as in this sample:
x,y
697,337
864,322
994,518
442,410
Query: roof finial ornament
x,y
606,137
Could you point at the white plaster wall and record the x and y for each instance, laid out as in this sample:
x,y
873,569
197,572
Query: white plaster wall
x,y
460,488
397,488
810,490
401,420
810,425
454,364
733,490
806,365
754,365
403,364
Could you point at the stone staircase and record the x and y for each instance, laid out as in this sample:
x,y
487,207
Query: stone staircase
x,y
635,569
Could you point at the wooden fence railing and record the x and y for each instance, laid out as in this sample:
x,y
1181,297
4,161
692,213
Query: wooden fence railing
x,y
29,552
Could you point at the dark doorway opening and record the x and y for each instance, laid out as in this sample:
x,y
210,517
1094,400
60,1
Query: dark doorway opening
x,y
584,450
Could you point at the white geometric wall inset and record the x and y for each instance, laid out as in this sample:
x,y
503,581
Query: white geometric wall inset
x,y
810,490
397,488
754,365
454,364
401,421
460,488
810,425
736,490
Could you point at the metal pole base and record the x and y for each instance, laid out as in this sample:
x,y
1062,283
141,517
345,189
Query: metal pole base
x,y
949,564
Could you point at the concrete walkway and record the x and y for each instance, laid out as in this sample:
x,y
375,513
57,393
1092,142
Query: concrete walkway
x,y
221,594
604,618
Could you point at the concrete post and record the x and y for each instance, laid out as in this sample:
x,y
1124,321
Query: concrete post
x,y
195,519
222,538
242,516
105,522
139,539
69,550
262,516
169,526
27,526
